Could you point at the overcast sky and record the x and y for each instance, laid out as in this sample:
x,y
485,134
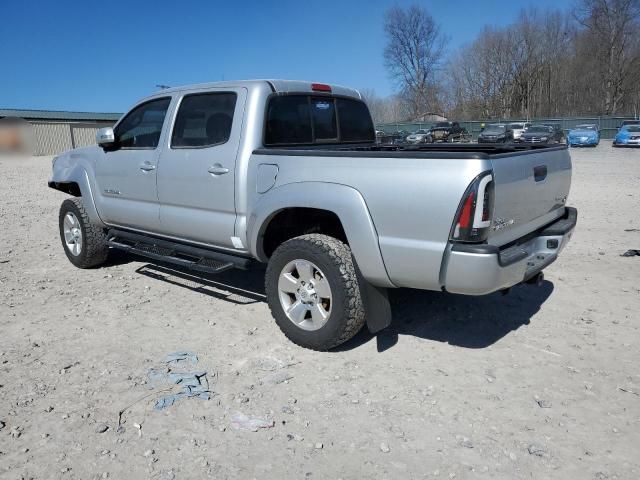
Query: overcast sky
x,y
103,56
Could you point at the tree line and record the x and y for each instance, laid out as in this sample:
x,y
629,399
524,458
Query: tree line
x,y
581,61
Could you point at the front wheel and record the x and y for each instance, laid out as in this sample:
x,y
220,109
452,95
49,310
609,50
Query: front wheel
x,y
84,243
313,291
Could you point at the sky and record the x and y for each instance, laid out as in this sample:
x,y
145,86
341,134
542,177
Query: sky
x,y
102,56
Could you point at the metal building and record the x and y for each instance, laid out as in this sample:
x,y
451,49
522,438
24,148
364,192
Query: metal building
x,y
53,132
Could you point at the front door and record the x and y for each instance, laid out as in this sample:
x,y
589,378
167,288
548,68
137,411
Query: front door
x,y
126,177
196,173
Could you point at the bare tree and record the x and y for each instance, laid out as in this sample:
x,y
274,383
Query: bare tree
x,y
613,30
413,56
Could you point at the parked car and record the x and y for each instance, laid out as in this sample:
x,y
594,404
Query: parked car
x,y
518,128
587,134
227,175
630,122
419,136
627,136
447,132
496,133
542,134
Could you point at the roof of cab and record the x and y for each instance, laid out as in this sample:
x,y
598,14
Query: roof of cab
x,y
283,86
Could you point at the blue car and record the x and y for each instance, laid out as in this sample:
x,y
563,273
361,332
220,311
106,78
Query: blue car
x,y
627,136
584,135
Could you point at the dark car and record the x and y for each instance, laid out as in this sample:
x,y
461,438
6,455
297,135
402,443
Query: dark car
x,y
447,132
542,134
496,133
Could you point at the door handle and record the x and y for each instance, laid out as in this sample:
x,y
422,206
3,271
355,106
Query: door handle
x,y
147,167
217,169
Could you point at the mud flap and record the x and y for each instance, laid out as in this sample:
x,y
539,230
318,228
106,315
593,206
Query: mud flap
x,y
376,307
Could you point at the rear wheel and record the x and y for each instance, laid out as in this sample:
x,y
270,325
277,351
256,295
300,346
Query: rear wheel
x,y
313,291
84,243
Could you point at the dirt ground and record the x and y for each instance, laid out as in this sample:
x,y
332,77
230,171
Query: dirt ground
x,y
543,383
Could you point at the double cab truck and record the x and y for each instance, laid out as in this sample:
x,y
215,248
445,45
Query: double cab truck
x,y
287,173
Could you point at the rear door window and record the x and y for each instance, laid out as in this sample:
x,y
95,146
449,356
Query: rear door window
x,y
204,120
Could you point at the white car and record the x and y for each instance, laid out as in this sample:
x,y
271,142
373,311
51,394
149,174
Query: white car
x,y
419,136
518,129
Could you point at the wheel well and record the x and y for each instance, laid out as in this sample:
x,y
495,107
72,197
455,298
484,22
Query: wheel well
x,y
72,188
293,222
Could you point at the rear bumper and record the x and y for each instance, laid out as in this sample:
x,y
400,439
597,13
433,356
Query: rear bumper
x,y
481,269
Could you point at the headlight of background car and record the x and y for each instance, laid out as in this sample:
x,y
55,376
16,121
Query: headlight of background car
x,y
544,138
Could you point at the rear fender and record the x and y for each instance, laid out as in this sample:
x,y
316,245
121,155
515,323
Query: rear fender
x,y
346,202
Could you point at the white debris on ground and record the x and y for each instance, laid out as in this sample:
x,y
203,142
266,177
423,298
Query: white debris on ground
x,y
541,383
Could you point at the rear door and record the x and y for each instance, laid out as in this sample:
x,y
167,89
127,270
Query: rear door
x,y
531,190
196,174
126,178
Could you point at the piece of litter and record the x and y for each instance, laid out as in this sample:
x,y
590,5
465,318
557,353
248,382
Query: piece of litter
x,y
628,390
240,421
631,253
193,384
181,356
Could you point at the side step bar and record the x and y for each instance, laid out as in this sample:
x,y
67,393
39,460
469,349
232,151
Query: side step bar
x,y
193,258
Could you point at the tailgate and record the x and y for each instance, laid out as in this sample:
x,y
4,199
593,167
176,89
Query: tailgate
x,y
531,190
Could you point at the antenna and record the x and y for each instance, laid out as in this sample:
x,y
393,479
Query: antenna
x,y
163,87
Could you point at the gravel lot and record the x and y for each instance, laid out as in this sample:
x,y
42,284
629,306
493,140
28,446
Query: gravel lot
x,y
541,383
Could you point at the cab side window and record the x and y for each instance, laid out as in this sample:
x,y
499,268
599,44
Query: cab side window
x,y
141,128
204,120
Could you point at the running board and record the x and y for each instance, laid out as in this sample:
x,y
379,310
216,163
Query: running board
x,y
187,256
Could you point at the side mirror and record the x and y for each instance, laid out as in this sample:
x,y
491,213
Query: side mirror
x,y
106,138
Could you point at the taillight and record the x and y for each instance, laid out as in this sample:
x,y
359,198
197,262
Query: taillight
x,y
475,212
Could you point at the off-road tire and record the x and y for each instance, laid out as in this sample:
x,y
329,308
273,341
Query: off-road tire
x,y
334,258
94,250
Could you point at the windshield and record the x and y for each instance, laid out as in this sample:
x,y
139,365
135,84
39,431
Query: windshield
x,y
539,129
495,129
442,125
516,126
420,132
586,127
632,128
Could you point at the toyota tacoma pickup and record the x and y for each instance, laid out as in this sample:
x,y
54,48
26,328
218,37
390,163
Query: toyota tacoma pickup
x,y
286,173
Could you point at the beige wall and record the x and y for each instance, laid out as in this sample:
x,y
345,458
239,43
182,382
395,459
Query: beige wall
x,y
51,138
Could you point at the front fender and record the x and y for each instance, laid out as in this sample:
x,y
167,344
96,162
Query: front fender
x,y
346,202
73,167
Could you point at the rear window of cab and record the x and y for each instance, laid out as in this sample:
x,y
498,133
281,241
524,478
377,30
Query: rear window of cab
x,y
311,119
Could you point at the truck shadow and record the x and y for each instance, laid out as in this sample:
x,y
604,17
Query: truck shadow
x,y
460,320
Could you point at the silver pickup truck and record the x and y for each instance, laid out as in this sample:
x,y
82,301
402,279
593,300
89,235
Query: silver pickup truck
x,y
287,173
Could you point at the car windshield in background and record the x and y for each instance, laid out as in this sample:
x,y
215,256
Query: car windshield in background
x,y
420,132
516,126
495,129
539,129
442,125
586,127
633,128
